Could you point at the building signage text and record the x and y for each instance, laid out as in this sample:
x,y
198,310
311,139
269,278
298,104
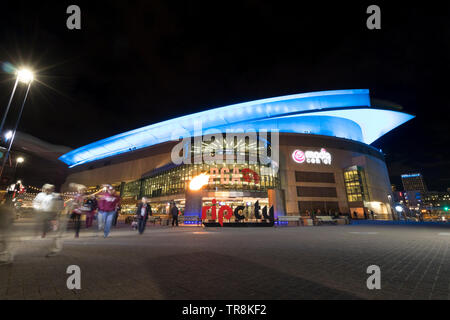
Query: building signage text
x,y
312,157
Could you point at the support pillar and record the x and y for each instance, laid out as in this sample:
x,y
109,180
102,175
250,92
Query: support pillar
x,y
193,205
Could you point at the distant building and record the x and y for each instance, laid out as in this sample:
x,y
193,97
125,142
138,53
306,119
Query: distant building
x,y
414,182
398,197
413,199
434,199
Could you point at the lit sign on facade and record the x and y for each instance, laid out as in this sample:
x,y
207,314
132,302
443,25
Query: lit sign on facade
x,y
412,175
313,157
248,175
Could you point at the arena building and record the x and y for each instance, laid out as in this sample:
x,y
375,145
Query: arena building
x,y
324,160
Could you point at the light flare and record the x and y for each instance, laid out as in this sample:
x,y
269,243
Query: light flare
x,y
198,182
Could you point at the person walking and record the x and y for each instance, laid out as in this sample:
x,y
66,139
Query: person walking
x,y
61,216
144,210
100,219
6,221
349,217
174,213
79,208
116,216
256,212
90,203
42,205
107,207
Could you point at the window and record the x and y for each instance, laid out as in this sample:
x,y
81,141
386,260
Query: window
x,y
175,180
309,176
355,184
131,189
316,192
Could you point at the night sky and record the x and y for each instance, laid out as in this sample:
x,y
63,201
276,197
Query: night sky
x,y
134,63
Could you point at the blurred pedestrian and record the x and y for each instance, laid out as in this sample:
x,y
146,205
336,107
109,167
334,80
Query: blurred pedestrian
x,y
143,211
42,205
256,210
116,215
79,208
420,217
6,221
62,215
90,203
100,219
107,207
174,213
313,214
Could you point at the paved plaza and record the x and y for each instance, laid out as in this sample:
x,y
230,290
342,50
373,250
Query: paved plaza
x,y
326,262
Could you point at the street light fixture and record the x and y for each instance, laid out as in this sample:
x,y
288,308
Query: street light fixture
x,y
27,77
18,160
8,135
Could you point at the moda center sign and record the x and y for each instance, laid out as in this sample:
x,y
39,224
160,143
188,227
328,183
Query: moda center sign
x,y
312,157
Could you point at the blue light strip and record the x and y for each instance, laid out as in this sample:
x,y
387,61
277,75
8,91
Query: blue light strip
x,y
374,123
282,113
412,175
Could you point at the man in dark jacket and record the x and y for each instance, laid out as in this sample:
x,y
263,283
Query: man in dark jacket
x,y
174,213
143,211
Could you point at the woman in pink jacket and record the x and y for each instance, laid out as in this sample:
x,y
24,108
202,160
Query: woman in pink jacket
x,y
107,204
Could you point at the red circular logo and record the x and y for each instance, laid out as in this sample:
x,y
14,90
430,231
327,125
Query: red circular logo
x,y
298,156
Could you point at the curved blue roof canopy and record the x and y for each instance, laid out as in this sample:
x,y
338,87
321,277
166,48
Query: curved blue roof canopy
x,y
340,113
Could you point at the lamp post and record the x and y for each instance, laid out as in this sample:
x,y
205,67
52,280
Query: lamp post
x,y
8,135
9,104
24,76
18,160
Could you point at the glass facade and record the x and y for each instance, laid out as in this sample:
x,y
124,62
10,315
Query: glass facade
x,y
131,189
223,177
355,184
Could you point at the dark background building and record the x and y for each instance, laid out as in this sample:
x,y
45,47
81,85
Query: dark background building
x,y
414,182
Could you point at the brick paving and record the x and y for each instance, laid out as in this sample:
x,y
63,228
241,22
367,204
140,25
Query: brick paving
x,y
288,263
